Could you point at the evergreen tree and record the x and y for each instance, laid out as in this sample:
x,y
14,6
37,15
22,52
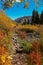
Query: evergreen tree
x,y
41,18
35,17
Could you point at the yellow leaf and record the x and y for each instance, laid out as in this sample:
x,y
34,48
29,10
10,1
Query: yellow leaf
x,y
9,57
21,0
26,5
3,58
14,1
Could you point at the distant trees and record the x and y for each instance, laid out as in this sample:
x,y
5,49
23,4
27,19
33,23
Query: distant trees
x,y
36,19
41,18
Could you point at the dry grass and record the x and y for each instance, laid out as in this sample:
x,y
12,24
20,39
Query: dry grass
x,y
5,21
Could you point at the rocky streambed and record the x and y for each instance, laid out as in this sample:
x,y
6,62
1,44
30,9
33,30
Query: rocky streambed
x,y
19,59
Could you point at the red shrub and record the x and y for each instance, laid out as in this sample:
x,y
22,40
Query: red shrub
x,y
35,57
36,45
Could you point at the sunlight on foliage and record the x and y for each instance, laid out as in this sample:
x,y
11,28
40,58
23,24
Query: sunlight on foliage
x,y
5,21
5,48
9,3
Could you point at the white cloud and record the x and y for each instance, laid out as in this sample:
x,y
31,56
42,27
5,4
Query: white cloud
x,y
17,0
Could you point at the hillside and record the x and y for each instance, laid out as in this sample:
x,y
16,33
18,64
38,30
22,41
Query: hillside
x,y
5,21
26,19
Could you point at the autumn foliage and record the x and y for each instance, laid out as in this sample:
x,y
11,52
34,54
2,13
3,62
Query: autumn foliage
x,y
1,35
35,55
4,50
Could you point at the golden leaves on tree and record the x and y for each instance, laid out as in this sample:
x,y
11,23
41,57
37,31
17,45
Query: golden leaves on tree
x,y
26,5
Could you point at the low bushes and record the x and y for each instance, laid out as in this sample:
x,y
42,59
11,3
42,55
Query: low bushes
x,y
5,48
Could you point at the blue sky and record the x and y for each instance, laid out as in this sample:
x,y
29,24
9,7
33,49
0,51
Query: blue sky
x,y
15,12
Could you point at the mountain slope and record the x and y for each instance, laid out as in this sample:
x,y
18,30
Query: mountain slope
x,y
26,19
5,21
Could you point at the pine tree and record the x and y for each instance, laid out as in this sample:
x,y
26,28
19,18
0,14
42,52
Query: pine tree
x,y
35,17
41,18
32,22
